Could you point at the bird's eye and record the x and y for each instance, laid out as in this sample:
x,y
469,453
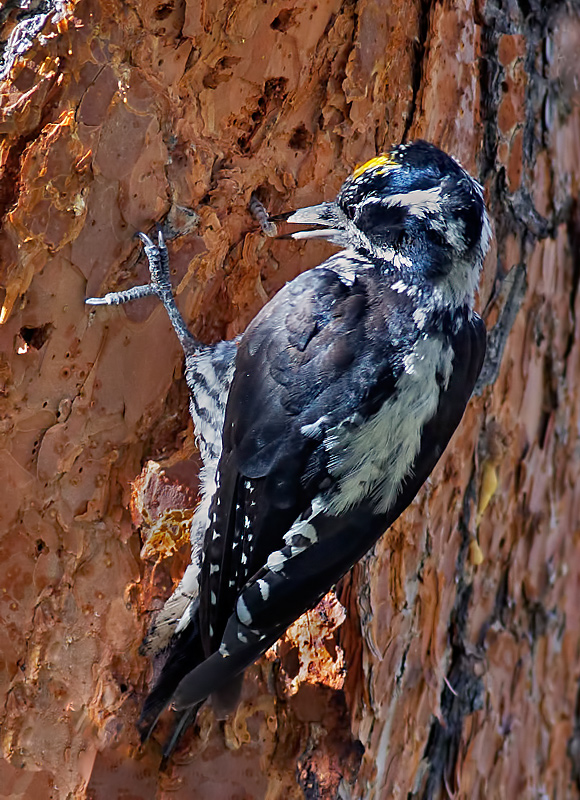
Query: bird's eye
x,y
378,219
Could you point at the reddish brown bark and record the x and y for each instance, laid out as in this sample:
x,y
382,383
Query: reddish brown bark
x,y
462,642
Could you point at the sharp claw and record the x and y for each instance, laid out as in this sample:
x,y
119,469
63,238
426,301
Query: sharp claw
x,y
145,239
160,285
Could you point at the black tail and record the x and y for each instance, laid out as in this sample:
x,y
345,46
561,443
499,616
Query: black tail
x,y
183,654
184,720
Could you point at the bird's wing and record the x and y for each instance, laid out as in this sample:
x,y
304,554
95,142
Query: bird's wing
x,y
323,352
291,372
308,362
279,593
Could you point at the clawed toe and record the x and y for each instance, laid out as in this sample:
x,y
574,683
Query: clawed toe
x,y
160,285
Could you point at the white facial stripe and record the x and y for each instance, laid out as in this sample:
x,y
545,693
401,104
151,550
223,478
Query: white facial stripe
x,y
419,202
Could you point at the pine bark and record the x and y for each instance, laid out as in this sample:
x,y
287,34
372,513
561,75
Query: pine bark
x,y
456,670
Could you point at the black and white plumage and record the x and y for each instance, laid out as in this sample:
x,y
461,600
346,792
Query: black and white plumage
x,y
318,426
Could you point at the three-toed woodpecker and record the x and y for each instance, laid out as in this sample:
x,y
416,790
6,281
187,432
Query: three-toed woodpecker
x,y
319,424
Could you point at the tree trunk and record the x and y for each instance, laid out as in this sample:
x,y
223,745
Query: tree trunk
x,y
456,672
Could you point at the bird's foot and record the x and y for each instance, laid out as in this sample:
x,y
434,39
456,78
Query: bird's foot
x,y
160,285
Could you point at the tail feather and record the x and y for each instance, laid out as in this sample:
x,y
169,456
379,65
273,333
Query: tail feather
x,y
185,719
184,653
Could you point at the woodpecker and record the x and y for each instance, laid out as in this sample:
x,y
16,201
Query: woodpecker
x,y
318,425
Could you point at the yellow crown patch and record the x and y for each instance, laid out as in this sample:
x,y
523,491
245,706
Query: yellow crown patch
x,y
379,164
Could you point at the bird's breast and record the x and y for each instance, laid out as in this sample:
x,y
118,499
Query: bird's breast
x,y
369,460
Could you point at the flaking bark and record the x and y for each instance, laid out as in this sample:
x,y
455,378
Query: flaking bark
x,y
456,672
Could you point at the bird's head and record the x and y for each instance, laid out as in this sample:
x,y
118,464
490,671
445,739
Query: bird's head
x,y
414,207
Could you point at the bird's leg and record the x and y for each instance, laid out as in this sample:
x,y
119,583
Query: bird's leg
x,y
160,285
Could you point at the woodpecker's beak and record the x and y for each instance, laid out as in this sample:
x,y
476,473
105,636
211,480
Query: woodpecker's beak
x,y
327,218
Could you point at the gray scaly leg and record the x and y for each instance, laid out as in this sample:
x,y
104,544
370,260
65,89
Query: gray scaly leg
x,y
160,285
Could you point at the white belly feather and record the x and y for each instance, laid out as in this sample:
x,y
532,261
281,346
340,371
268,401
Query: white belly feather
x,y
371,460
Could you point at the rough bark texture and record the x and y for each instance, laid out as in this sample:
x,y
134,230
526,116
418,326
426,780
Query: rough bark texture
x,y
462,640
